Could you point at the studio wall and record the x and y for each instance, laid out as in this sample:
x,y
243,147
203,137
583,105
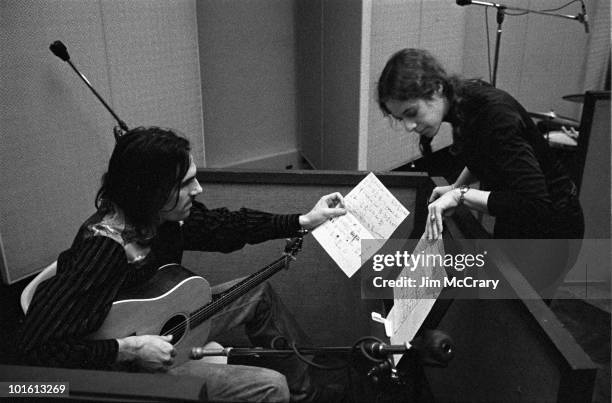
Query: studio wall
x,y
262,80
340,124
542,58
396,24
247,62
56,137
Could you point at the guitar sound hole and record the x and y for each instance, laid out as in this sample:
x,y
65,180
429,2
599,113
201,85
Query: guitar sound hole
x,y
176,326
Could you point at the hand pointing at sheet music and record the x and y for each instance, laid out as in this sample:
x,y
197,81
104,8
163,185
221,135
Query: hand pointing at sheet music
x,y
329,206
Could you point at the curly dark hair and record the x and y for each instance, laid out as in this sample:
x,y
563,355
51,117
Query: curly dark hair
x,y
146,166
416,74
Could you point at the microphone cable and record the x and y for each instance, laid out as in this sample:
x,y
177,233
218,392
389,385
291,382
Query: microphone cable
x,y
347,365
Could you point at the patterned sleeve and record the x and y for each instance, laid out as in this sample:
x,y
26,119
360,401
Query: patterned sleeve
x,y
73,304
221,230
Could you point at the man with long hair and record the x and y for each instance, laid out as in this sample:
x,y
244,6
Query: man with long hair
x,y
147,215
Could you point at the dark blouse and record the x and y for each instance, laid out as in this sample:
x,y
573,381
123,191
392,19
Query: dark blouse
x,y
74,303
531,194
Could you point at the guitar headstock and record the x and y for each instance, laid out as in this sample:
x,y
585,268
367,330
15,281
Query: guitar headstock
x,y
293,246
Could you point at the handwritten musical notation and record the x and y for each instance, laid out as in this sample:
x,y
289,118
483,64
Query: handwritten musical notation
x,y
411,305
372,213
375,207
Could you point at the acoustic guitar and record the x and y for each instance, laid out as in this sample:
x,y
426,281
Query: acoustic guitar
x,y
176,301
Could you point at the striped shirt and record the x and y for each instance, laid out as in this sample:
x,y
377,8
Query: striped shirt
x,y
74,303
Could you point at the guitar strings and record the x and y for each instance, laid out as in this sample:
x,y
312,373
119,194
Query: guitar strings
x,y
211,307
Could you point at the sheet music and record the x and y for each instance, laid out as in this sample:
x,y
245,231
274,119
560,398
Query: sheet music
x,y
411,305
372,213
375,207
341,238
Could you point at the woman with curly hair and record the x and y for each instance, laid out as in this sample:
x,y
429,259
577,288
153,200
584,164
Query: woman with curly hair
x,y
528,190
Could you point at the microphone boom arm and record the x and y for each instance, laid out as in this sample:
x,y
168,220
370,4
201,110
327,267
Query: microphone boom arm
x,y
579,17
501,11
59,50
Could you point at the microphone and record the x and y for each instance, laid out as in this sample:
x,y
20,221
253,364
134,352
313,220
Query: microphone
x,y
200,352
59,50
382,350
464,2
584,18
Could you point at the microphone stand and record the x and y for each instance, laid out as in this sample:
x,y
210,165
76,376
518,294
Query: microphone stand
x,y
372,360
501,12
430,348
500,20
59,50
268,352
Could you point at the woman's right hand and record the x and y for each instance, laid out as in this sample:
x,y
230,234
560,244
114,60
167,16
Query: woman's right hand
x,y
151,353
439,191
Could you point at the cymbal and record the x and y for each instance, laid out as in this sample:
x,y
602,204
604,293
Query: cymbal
x,y
578,98
552,117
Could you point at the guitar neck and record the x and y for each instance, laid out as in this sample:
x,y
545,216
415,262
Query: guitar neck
x,y
204,313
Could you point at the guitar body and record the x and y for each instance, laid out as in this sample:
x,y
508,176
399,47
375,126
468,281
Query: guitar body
x,y
161,306
176,301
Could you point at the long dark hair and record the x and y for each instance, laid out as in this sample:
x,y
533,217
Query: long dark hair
x,y
415,74
147,165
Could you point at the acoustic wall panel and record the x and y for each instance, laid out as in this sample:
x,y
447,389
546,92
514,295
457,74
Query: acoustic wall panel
x,y
396,24
154,73
364,84
442,32
477,39
247,62
541,57
309,70
56,137
598,53
341,60
555,49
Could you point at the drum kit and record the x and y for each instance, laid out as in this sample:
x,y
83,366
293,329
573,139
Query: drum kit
x,y
555,119
560,131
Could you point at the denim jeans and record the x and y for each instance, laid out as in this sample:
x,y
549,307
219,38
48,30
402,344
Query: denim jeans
x,y
265,317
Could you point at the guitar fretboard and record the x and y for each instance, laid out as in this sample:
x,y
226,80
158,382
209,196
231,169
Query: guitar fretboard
x,y
203,314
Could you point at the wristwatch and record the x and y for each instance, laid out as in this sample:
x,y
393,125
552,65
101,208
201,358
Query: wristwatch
x,y
463,190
